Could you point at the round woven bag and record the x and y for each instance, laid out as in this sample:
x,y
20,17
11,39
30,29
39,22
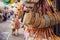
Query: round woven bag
x,y
58,15
52,19
47,20
32,21
20,14
27,18
29,4
42,23
37,20
56,18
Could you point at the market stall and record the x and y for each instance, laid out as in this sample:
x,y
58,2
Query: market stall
x,y
39,20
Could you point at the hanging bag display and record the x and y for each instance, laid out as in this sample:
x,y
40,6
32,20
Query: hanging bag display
x,y
40,28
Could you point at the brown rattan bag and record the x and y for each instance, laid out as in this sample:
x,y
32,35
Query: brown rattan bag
x,y
58,16
56,19
52,19
42,23
27,18
37,20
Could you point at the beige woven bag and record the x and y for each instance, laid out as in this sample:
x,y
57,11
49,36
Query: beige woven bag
x,y
37,20
29,4
47,20
27,18
32,21
52,19
56,19
42,23
58,15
